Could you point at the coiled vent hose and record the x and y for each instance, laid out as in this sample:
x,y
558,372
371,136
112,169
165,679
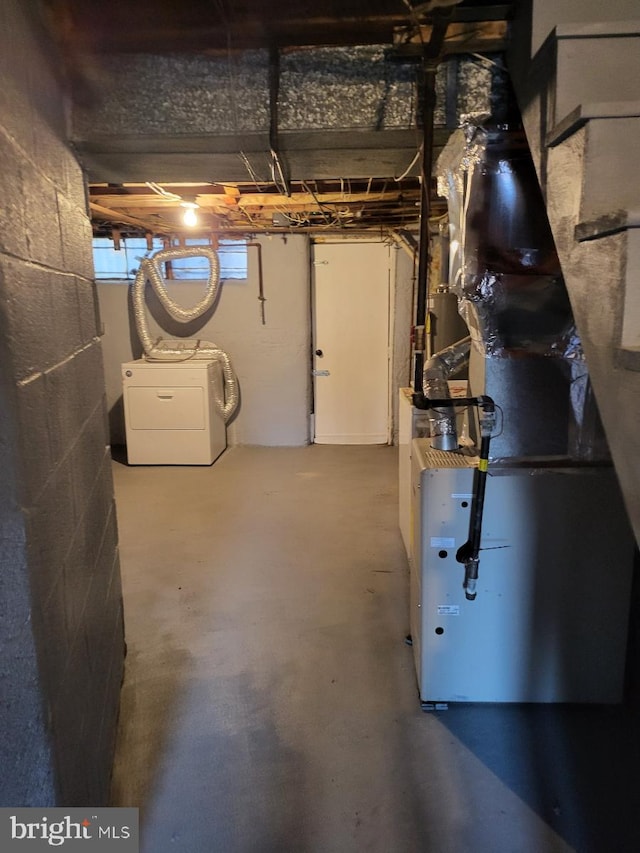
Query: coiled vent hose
x,y
165,350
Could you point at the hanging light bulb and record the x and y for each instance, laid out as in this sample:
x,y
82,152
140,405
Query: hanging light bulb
x,y
189,217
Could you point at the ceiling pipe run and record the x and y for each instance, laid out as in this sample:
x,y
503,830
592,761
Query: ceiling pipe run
x,y
432,54
261,297
405,240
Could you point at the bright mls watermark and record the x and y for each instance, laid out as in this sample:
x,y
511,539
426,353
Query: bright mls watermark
x,y
104,830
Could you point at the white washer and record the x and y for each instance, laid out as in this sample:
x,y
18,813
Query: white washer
x,y
170,412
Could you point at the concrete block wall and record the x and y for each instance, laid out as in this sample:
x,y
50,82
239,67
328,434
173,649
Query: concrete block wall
x,y
589,180
546,15
61,631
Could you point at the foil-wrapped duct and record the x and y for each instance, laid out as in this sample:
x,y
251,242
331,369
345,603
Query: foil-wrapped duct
x,y
504,266
437,370
183,349
526,353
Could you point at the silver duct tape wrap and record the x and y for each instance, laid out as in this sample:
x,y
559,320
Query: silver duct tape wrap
x,y
480,89
442,421
163,350
503,264
462,153
507,314
460,156
440,367
504,269
483,86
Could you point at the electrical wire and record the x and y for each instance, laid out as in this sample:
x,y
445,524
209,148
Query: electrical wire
x,y
257,180
317,201
162,192
415,19
486,61
411,164
282,187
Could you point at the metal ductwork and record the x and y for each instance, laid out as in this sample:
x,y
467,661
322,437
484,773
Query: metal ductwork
x,y
437,370
506,274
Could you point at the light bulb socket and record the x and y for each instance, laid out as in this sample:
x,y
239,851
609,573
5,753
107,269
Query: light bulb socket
x,y
190,216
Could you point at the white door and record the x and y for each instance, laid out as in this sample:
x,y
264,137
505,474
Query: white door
x,y
351,343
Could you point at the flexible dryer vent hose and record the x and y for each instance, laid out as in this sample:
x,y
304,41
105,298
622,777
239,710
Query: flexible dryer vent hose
x,y
165,350
437,370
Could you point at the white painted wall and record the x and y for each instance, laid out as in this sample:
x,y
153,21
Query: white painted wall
x,y
403,319
273,362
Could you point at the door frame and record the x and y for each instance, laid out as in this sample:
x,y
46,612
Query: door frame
x,y
391,318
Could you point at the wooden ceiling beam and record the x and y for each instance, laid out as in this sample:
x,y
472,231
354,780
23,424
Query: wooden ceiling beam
x,y
110,215
152,204
164,26
461,37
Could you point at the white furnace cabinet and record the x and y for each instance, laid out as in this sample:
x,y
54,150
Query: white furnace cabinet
x,y
170,412
549,623
414,423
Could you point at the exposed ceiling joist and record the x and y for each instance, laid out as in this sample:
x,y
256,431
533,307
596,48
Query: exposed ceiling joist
x,y
210,26
245,201
477,37
242,208
119,216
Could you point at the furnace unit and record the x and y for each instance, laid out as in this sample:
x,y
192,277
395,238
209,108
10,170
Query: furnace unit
x,y
549,622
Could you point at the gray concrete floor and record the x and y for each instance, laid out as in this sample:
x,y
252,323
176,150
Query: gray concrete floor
x,y
270,702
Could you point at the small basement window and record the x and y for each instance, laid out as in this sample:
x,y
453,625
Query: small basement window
x,y
232,255
122,265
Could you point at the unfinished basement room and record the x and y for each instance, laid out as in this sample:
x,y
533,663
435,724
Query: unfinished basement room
x,y
319,384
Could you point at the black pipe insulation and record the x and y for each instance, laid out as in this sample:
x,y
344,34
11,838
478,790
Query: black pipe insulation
x,y
482,402
469,553
274,95
261,297
431,55
428,106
